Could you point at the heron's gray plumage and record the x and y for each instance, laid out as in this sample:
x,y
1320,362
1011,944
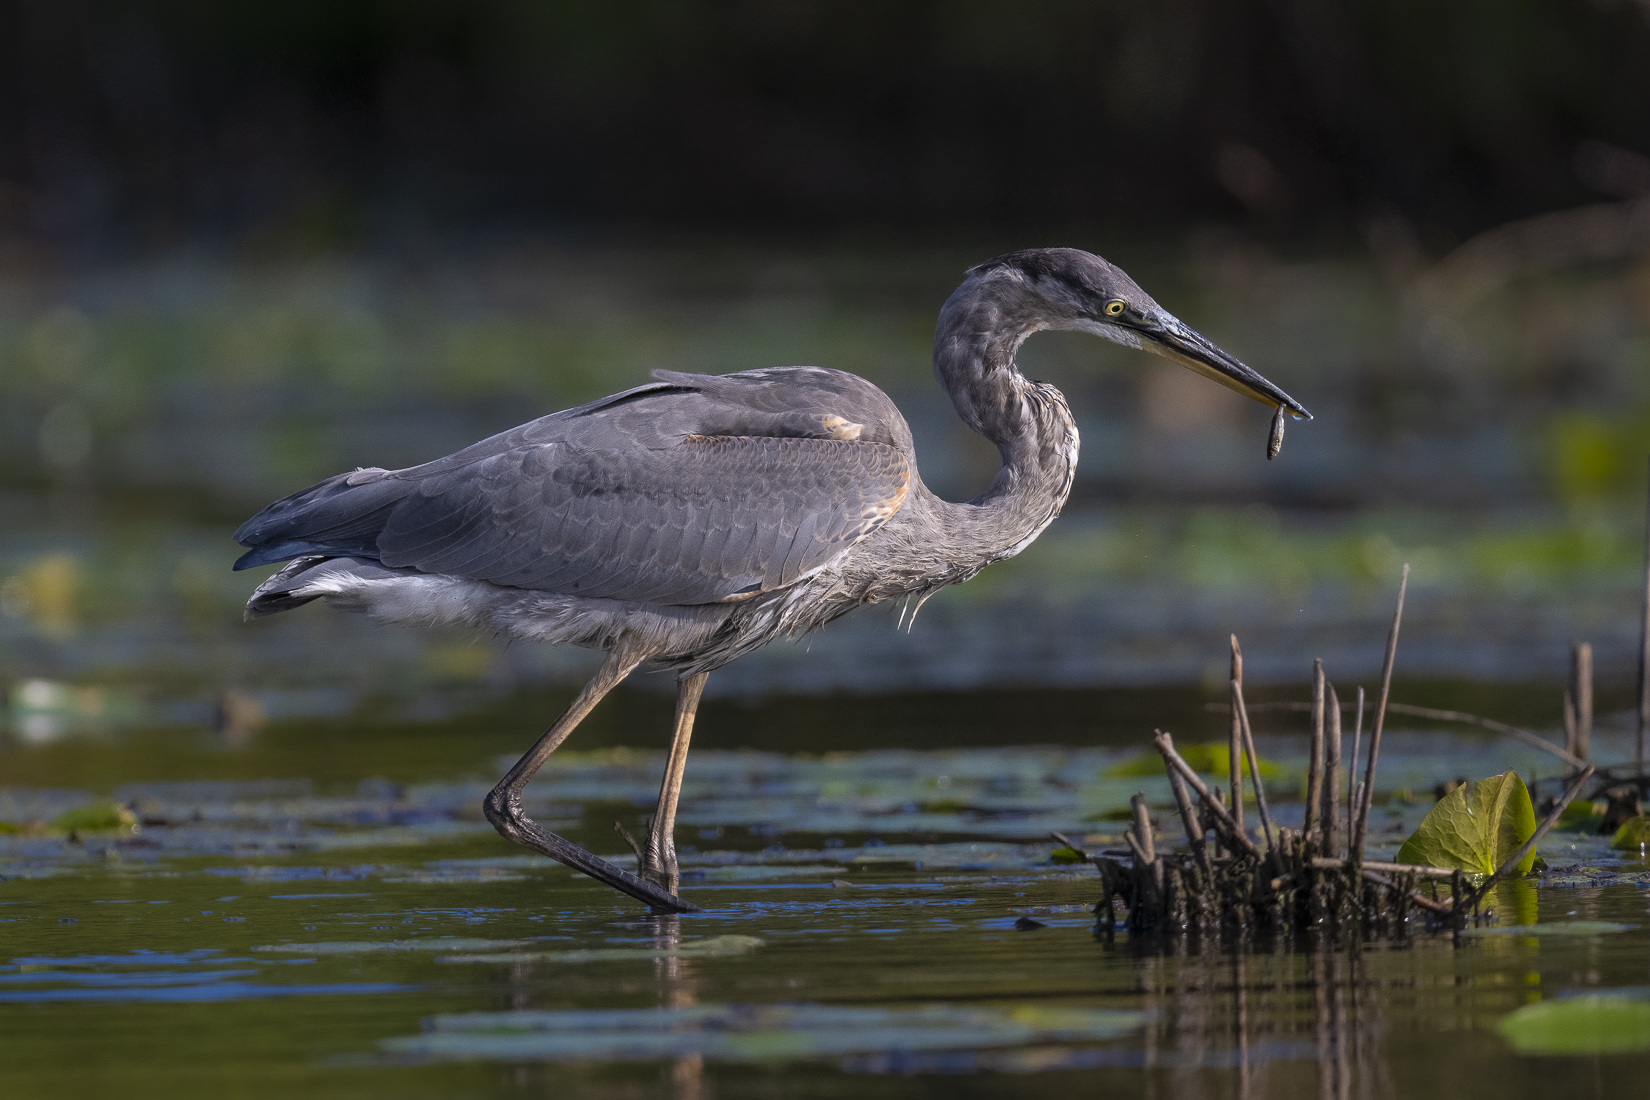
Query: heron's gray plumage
x,y
696,518
675,493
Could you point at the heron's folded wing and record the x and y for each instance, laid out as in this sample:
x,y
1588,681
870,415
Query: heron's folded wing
x,y
711,518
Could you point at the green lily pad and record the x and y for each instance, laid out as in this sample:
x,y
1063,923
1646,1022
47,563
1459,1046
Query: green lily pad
x,y
1065,855
1476,834
716,947
1213,758
1633,835
1580,817
749,1033
352,947
1599,1024
93,818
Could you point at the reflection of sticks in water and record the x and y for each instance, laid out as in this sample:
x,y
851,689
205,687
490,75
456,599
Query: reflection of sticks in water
x,y
1323,1027
1241,985
1339,1027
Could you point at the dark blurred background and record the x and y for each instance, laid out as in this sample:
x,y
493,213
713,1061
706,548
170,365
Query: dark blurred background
x,y
245,245
127,128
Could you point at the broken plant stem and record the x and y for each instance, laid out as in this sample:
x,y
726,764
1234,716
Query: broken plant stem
x,y
1188,813
1314,759
1361,825
1514,732
1240,844
1643,756
1581,680
1572,736
1325,863
1535,741
1235,740
1354,793
1249,746
1414,895
1143,826
1332,777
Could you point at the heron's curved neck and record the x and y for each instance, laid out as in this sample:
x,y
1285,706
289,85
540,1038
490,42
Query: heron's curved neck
x,y
974,349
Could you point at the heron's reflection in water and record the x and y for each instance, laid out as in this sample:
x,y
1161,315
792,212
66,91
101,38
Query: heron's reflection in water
x,y
678,988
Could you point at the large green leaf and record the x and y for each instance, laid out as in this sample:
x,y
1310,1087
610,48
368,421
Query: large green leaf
x,y
1207,759
1596,1024
1475,832
1633,836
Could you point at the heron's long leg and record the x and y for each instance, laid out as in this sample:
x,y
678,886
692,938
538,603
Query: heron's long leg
x,y
503,803
659,857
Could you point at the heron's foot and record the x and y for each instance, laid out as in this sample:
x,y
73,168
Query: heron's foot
x,y
502,808
650,866
660,868
656,861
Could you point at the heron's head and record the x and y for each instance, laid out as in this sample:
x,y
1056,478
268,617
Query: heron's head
x,y
1067,288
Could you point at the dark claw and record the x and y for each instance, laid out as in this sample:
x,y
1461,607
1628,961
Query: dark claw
x,y
503,809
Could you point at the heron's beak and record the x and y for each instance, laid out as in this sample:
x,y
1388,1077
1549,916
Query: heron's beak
x,y
1164,334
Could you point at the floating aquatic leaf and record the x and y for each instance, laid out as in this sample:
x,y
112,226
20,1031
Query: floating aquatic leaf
x,y
747,1032
350,947
96,817
761,872
452,876
1554,928
1597,1024
1479,834
717,947
1208,759
1633,835
1065,855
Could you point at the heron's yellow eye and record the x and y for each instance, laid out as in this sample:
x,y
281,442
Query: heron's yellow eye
x,y
1114,307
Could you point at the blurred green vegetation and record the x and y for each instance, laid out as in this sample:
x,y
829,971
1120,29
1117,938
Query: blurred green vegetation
x,y
146,411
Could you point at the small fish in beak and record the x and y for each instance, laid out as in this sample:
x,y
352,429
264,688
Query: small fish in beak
x,y
1274,443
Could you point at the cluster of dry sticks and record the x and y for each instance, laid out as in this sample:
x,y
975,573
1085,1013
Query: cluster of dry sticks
x,y
1299,881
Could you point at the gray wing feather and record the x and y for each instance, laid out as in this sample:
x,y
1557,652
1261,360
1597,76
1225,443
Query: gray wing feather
x,y
637,525
628,498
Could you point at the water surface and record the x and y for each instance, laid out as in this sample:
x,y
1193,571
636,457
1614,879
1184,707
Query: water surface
x,y
347,929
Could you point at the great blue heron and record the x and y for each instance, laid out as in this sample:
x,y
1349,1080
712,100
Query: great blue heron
x,y
698,517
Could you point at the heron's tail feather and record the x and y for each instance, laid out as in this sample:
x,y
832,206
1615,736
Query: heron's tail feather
x,y
312,577
285,590
340,516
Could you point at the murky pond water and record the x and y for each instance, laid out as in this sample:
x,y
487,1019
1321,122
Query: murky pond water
x,y
290,922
